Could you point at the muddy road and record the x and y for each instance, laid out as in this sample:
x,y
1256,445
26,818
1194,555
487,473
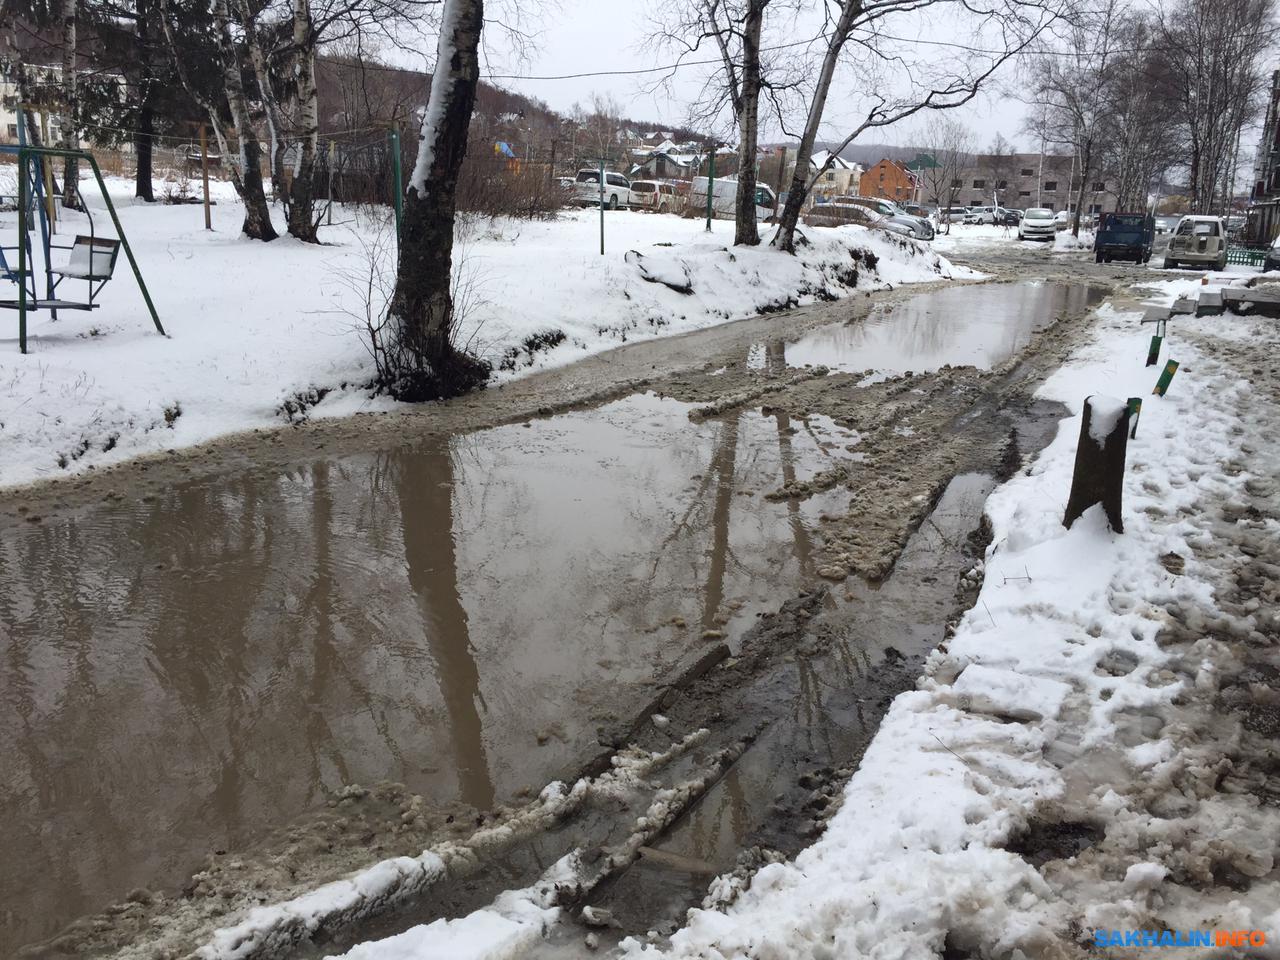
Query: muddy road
x,y
244,670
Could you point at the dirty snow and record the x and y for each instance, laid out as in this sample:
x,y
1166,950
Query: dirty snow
x,y
261,334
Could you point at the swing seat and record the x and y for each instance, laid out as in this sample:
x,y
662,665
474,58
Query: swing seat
x,y
92,258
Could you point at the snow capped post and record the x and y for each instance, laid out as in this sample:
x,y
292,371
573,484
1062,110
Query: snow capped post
x,y
1099,471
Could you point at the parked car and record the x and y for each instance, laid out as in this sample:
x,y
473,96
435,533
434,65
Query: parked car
x,y
1062,219
1166,223
981,215
952,214
919,210
1198,241
586,189
1272,259
1038,223
1124,236
918,227
654,195
1008,218
725,199
838,213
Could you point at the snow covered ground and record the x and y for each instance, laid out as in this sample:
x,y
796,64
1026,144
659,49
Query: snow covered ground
x,y
978,236
1063,771
256,329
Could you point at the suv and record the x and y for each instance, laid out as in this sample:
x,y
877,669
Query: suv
x,y
653,195
586,189
1198,241
981,215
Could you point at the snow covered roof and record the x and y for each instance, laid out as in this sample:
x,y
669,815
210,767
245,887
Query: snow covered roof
x,y
820,158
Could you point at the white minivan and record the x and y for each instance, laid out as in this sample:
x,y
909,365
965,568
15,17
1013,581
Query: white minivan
x,y
725,196
655,195
586,189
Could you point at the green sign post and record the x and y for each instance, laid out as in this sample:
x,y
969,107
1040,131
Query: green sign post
x,y
1166,377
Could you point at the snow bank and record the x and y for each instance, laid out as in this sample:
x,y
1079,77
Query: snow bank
x,y
1015,708
260,335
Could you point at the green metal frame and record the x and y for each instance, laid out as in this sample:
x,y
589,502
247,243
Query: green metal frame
x,y
25,155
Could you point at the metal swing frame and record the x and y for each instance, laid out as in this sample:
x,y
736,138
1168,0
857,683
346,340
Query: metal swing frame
x,y
28,299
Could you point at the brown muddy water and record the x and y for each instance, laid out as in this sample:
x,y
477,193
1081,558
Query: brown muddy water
x,y
190,668
980,326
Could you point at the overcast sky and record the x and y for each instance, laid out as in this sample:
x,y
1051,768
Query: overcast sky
x,y
583,36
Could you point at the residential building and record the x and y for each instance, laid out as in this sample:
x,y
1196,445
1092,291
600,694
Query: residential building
x,y
1022,180
889,179
1263,224
841,179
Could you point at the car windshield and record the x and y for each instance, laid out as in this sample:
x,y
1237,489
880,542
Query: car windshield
x,y
1039,213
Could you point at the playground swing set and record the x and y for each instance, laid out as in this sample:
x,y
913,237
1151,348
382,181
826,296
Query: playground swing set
x,y
92,258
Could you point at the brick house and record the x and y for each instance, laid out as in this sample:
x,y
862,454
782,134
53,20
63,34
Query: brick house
x,y
888,179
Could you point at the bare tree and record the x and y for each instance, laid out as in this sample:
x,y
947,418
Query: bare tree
x,y
734,28
423,362
948,144
1143,131
599,125
928,80
1070,88
1215,50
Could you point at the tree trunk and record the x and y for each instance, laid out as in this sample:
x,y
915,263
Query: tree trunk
x,y
422,363
142,144
143,141
257,215
70,107
785,237
276,123
302,223
746,231
1086,160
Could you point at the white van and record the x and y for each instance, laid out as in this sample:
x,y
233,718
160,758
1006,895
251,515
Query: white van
x,y
725,198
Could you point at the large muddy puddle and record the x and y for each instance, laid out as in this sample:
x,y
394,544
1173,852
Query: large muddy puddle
x,y
980,326
187,669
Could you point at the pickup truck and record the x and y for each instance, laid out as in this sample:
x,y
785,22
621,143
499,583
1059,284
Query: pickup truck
x,y
1124,236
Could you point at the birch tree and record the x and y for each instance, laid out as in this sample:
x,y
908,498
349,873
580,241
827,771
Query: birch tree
x,y
190,35
70,107
418,360
734,29
1071,87
1215,51
858,37
950,146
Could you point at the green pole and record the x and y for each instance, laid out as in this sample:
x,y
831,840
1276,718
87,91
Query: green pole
x,y
711,185
397,188
22,249
124,241
602,206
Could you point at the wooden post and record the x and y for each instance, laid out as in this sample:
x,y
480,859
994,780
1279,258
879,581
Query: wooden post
x,y
204,174
1099,471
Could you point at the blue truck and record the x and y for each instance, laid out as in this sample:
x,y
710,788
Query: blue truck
x,y
1124,236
